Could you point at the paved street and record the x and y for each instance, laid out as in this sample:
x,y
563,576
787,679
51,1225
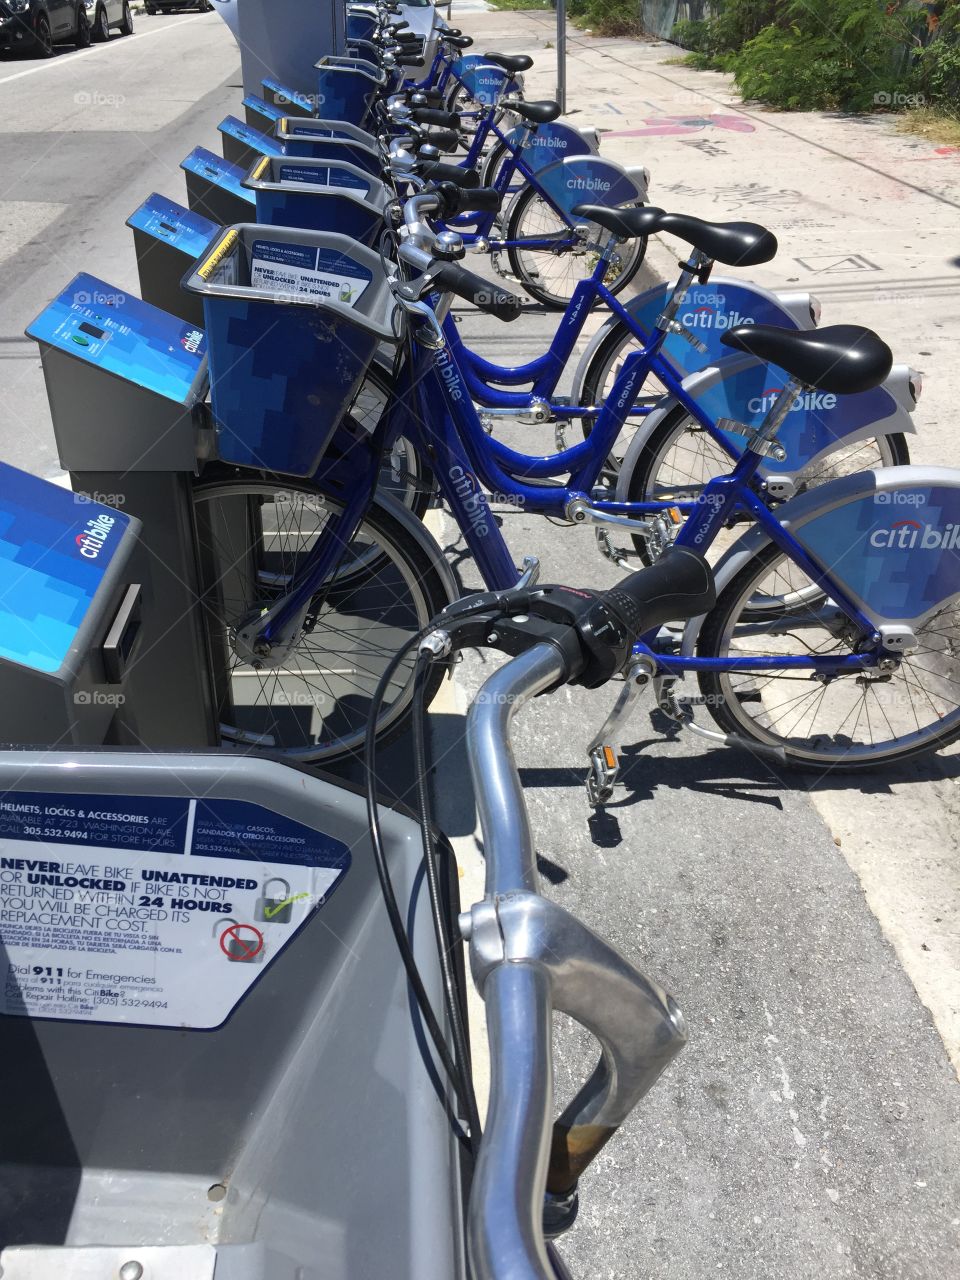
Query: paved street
x,y
811,1127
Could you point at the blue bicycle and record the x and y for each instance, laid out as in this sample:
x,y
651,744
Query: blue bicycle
x,y
833,638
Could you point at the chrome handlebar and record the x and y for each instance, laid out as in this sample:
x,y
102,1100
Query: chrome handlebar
x,y
528,958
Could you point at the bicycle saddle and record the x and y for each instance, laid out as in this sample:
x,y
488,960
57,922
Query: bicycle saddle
x,y
625,223
842,358
736,244
511,63
538,112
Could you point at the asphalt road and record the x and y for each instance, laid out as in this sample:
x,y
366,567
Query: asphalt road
x,y
811,1127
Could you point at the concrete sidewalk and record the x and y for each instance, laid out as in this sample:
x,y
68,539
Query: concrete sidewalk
x,y
738,893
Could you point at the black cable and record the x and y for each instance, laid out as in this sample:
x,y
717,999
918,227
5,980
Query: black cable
x,y
389,897
445,943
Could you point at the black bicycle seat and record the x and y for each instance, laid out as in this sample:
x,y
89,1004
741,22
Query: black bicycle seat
x,y
737,244
842,358
538,112
511,63
625,223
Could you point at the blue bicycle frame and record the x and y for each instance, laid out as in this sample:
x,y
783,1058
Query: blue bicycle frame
x,y
432,408
544,372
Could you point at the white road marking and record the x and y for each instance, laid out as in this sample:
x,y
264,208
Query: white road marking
x,y
115,42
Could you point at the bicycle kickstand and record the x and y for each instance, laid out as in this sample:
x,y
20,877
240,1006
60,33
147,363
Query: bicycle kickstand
x,y
604,750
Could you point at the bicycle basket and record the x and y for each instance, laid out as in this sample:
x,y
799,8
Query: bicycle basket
x,y
293,320
319,194
347,88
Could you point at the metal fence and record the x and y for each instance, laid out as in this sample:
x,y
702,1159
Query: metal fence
x,y
659,16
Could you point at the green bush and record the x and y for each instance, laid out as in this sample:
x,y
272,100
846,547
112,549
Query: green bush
x,y
939,62
608,17
694,34
712,40
827,55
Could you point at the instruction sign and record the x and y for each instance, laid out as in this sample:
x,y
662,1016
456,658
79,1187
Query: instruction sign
x,y
150,910
308,272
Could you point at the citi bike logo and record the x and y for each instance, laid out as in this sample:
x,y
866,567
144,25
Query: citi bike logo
x,y
705,317
95,535
451,378
555,144
191,340
811,401
908,535
588,184
472,499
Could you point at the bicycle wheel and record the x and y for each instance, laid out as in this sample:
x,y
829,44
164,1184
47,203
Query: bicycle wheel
x,y
685,432
492,162
680,457
404,475
855,721
459,101
551,278
311,704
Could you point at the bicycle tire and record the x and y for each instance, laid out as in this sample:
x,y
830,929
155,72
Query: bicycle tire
x,y
747,705
531,215
312,706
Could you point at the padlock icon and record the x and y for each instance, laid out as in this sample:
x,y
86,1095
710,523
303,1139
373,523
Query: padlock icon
x,y
242,949
273,908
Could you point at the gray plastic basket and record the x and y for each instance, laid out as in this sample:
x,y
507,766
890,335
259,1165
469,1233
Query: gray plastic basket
x,y
324,195
293,320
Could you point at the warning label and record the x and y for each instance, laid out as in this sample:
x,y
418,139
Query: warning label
x,y
306,274
150,910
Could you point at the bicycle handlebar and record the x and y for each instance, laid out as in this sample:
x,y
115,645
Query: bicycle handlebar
x,y
529,958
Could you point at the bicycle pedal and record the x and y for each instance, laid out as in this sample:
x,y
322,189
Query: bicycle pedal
x,y
604,771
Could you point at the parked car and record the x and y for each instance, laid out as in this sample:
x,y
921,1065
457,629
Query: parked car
x,y
423,19
35,26
104,14
174,6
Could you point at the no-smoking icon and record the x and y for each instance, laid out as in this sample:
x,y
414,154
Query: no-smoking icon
x,y
242,942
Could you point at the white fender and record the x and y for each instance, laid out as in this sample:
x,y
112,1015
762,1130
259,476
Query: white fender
x,y
814,502
897,383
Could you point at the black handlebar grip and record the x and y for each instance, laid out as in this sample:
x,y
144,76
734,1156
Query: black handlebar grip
x,y
481,200
437,171
442,119
412,62
428,95
443,139
484,294
394,27
476,200
678,586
